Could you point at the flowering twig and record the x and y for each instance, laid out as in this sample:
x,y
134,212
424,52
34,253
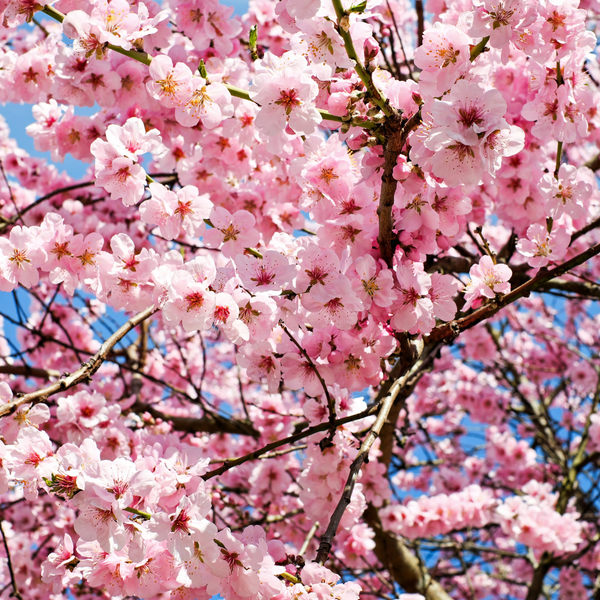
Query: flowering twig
x,y
365,76
449,331
146,59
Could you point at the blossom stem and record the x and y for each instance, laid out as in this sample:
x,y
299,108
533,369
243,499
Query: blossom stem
x,y
15,593
558,159
559,82
365,76
479,48
139,513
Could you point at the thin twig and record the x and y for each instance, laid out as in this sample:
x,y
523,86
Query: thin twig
x,y
330,400
308,538
290,440
15,592
18,216
399,38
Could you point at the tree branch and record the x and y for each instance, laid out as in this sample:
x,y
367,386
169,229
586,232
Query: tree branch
x,y
449,331
208,423
28,371
289,440
84,374
396,131
406,370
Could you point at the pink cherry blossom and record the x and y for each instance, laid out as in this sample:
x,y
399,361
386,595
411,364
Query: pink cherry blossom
x,y
542,246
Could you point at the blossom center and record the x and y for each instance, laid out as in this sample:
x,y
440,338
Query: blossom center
x,y
194,300
181,523
370,286
230,233
288,99
19,257
263,277
222,313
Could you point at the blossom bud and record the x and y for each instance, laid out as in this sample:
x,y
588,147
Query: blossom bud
x,y
371,49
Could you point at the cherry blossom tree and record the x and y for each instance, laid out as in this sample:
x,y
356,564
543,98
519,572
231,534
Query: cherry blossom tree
x,y
319,321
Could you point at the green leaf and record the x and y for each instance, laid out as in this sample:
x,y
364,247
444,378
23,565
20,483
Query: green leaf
x,y
252,42
358,8
202,70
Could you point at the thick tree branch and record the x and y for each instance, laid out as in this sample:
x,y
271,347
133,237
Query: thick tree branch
x,y
208,423
396,131
404,567
28,371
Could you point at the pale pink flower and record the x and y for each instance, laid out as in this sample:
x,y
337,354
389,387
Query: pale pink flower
x,y
443,56
414,308
335,304
185,526
189,303
215,26
257,312
323,46
443,288
568,194
236,568
118,481
100,521
317,266
236,232
260,363
124,181
173,211
487,279
57,569
286,95
499,19
132,140
208,103
542,246
20,258
170,84
268,274
155,573
298,373
115,21
375,288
